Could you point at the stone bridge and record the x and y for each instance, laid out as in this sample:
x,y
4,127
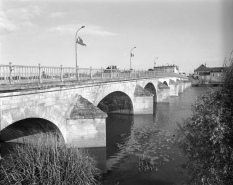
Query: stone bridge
x,y
72,110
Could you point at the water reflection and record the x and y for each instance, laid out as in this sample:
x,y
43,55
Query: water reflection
x,y
132,138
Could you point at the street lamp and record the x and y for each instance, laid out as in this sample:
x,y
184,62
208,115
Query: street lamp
x,y
76,46
131,56
154,61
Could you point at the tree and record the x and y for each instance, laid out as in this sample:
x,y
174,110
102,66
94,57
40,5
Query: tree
x,y
207,136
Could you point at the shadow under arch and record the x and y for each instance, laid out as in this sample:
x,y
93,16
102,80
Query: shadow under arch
x,y
116,102
30,127
151,88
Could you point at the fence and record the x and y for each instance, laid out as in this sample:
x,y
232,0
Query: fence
x,y
17,74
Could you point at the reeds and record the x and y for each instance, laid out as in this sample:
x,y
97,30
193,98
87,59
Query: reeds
x,y
146,164
49,163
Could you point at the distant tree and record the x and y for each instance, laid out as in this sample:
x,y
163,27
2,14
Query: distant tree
x,y
207,136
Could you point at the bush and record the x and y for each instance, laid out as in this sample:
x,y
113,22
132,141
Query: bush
x,y
48,164
207,136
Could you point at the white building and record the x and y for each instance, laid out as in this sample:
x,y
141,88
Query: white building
x,y
168,68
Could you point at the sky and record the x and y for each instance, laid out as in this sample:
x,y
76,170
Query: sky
x,y
186,33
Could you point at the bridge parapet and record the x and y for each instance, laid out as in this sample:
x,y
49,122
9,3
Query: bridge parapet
x,y
17,74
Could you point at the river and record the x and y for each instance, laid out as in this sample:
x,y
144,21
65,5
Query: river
x,y
131,138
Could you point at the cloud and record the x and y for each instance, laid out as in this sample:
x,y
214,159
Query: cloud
x,y
57,14
89,30
16,19
25,13
5,24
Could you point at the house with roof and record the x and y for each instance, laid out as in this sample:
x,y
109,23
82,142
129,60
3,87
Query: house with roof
x,y
209,74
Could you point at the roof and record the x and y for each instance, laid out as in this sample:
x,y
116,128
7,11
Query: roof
x,y
209,69
202,68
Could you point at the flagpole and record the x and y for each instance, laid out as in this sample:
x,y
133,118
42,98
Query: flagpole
x,y
76,64
130,56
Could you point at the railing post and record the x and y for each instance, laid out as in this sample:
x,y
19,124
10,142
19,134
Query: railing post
x,y
77,73
138,73
10,75
61,74
102,75
40,80
91,72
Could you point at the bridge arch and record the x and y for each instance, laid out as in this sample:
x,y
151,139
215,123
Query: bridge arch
x,y
116,102
151,88
56,114
32,128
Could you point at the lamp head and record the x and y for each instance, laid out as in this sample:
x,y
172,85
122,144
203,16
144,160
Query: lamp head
x,y
83,27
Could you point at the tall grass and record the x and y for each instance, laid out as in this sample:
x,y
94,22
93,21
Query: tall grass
x,y
49,163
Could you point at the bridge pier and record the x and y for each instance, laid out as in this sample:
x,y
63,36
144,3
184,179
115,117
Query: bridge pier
x,y
143,101
163,93
181,86
174,88
187,84
86,126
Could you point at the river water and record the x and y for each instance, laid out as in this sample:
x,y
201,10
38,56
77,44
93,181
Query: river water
x,y
135,142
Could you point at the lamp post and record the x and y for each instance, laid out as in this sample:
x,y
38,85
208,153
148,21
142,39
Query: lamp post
x,y
131,56
76,64
154,61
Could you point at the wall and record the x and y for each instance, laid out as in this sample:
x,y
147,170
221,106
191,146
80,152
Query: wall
x,y
216,76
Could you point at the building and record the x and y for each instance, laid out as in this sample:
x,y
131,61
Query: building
x,y
168,68
209,74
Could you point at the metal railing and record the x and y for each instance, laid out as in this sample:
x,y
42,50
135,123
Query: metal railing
x,y
17,74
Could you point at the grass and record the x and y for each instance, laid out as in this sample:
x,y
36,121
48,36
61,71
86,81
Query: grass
x,y
49,163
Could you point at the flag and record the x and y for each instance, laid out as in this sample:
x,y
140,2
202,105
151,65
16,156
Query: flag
x,y
80,41
132,55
